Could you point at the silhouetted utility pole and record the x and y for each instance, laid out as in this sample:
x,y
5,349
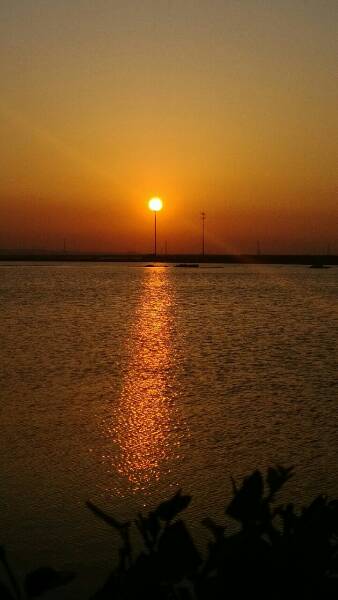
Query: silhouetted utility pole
x,y
155,235
203,217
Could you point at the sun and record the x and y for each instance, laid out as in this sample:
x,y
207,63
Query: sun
x,y
155,204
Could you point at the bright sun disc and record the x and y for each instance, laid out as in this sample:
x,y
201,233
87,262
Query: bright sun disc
x,y
155,204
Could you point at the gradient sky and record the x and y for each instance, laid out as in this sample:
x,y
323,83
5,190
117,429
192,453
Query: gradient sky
x,y
222,105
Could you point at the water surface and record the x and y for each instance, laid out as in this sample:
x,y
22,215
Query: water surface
x,y
121,383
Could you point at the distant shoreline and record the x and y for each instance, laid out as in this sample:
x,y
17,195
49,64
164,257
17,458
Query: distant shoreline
x,y
287,259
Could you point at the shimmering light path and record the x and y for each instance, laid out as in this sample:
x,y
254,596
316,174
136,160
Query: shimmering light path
x,y
144,424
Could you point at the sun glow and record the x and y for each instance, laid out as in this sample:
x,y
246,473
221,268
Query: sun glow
x,y
155,204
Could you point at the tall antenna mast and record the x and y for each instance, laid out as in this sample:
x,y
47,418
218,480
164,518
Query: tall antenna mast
x,y
203,217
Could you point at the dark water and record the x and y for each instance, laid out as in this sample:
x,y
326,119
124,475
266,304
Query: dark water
x,y
122,383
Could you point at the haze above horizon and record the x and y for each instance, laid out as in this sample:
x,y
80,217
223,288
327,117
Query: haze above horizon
x,y
227,107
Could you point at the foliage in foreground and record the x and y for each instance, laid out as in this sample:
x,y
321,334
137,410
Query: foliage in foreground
x,y
277,552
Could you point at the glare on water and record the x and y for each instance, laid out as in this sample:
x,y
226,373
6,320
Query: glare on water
x,y
143,424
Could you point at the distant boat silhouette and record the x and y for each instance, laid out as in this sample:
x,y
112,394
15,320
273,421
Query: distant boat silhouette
x,y
319,265
189,265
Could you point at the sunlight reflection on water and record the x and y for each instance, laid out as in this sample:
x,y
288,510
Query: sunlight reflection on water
x,y
145,422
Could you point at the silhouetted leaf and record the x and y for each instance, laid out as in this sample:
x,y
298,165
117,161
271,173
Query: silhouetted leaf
x,y
289,518
9,572
247,505
109,589
149,528
333,508
5,593
98,512
177,553
276,478
216,530
143,580
169,509
152,525
45,578
182,593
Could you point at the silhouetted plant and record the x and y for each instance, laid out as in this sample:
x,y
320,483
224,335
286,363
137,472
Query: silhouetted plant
x,y
276,552
35,584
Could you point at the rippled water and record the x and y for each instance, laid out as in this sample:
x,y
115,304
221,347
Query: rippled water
x,y
120,383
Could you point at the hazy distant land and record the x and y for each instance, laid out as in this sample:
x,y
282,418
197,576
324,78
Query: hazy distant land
x,y
296,259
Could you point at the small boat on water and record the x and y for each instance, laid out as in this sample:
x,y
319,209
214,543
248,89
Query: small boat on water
x,y
319,266
189,265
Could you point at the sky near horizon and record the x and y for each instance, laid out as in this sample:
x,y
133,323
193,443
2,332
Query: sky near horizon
x,y
217,105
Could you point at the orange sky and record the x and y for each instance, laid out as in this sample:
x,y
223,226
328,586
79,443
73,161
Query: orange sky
x,y
227,106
